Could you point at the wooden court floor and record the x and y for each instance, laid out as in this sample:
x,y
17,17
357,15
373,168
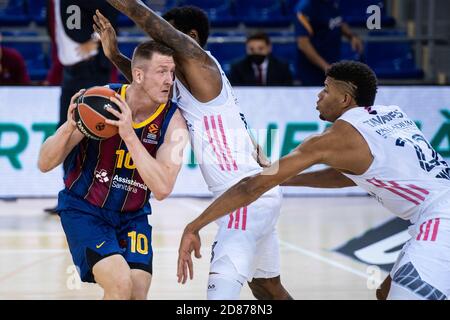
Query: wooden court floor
x,y
35,262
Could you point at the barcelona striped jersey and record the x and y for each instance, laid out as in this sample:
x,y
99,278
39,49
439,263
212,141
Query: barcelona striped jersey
x,y
102,171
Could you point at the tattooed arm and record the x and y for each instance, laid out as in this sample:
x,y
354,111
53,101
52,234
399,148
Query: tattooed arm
x,y
198,71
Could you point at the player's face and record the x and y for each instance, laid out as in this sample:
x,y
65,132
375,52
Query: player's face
x,y
330,103
158,77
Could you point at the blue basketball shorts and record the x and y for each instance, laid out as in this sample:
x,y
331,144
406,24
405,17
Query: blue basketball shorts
x,y
95,235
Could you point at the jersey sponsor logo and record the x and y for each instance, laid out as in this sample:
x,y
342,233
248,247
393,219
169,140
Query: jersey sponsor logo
x,y
127,184
378,246
380,120
102,176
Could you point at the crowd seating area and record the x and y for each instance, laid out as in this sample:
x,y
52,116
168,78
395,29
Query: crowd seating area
x,y
231,20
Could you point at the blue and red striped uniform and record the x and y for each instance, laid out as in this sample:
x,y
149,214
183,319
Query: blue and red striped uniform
x,y
102,172
105,199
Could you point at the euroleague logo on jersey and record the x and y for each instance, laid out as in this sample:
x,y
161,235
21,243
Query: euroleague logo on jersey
x,y
152,135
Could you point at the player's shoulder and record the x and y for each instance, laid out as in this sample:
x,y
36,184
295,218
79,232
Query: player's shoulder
x,y
385,108
173,117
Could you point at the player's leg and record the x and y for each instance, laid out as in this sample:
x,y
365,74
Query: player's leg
x,y
96,252
235,248
114,275
422,271
407,284
141,284
266,282
230,263
269,289
136,235
224,281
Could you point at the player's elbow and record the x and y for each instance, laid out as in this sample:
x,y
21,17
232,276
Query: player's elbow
x,y
162,193
44,166
247,188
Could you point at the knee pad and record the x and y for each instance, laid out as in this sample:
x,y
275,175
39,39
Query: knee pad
x,y
224,283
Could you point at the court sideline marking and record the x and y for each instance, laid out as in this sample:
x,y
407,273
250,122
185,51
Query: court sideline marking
x,y
301,250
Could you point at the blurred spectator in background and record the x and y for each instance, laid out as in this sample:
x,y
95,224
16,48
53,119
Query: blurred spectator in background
x,y
13,70
79,51
84,63
54,76
260,67
319,28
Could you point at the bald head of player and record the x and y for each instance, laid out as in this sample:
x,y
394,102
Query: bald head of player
x,y
348,84
153,70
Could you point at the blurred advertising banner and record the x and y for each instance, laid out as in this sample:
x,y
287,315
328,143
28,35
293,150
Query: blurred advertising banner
x,y
279,118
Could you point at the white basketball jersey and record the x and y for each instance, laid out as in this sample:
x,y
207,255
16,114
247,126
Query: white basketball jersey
x,y
407,175
219,136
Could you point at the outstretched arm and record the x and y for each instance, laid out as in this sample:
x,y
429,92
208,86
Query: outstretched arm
x,y
341,146
159,29
198,71
242,194
327,178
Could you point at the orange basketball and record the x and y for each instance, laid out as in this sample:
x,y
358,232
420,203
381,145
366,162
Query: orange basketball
x,y
90,113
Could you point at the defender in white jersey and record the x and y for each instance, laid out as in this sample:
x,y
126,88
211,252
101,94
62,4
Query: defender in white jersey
x,y
246,246
379,149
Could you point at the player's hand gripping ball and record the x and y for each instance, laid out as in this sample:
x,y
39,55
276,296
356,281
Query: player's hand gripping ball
x,y
90,113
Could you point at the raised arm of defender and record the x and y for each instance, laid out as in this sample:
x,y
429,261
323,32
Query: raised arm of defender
x,y
195,68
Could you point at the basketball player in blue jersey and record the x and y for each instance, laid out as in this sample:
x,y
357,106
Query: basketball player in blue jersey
x,y
379,149
105,203
245,249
